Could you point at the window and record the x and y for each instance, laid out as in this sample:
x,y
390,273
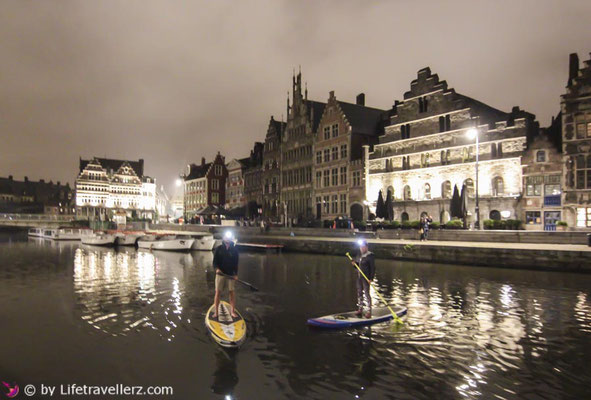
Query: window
x,y
326,132
533,185
406,162
215,197
407,194
335,153
423,104
533,217
326,177
318,179
583,172
552,190
343,204
581,128
584,217
446,190
541,156
357,178
326,155
334,207
335,130
497,186
405,131
589,129
218,169
215,184
469,187
318,157
343,151
326,204
447,123
404,217
441,124
427,191
343,175
335,177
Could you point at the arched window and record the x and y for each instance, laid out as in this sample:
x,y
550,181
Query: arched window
x,y
407,194
446,190
469,187
495,215
404,217
427,191
493,150
443,157
497,186
541,156
391,191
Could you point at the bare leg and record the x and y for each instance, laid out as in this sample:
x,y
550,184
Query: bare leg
x,y
216,303
233,303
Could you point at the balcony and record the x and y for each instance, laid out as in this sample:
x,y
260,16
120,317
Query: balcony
x,y
552,200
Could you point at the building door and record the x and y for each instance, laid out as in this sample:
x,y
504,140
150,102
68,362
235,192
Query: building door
x,y
318,211
550,219
356,212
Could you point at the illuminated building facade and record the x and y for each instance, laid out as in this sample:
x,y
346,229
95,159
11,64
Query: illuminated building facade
x,y
425,151
204,185
105,186
575,107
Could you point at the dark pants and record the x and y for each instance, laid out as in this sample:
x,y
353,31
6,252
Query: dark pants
x,y
363,299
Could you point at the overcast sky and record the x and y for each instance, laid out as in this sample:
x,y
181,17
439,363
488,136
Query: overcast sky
x,y
172,81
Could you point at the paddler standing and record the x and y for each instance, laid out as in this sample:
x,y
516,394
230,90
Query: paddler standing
x,y
225,264
367,264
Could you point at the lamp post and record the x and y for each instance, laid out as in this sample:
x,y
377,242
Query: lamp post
x,y
473,133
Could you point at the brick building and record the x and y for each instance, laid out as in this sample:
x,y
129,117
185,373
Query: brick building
x,y
253,186
297,160
425,152
204,185
271,172
575,108
343,130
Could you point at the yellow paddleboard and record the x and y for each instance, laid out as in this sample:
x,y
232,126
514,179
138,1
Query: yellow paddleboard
x,y
225,330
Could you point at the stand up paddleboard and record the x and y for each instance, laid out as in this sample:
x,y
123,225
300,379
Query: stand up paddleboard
x,y
225,330
349,319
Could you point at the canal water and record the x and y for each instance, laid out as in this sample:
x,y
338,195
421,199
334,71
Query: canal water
x,y
71,313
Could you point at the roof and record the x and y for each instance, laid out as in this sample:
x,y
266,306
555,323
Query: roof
x,y
364,120
112,164
244,161
198,171
42,191
317,108
278,126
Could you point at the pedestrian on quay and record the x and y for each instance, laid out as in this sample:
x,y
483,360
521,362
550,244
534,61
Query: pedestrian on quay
x,y
225,264
366,262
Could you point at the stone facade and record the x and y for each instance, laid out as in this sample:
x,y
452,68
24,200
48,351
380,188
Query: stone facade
x,y
338,157
297,153
271,173
575,108
542,179
426,151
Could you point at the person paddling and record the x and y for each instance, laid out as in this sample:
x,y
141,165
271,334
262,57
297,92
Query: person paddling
x,y
367,264
225,264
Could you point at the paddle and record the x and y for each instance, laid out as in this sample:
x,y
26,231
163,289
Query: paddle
x,y
396,318
253,288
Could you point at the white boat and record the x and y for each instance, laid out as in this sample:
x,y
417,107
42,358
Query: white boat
x,y
71,233
166,242
203,240
36,232
128,238
99,239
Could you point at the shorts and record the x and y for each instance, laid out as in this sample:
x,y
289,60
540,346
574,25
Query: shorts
x,y
221,282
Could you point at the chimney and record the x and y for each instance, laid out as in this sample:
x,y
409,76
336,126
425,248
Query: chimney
x,y
360,99
26,179
58,183
41,180
9,177
573,67
202,161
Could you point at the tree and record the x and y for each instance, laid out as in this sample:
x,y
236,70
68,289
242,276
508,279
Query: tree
x,y
380,206
464,205
455,205
389,212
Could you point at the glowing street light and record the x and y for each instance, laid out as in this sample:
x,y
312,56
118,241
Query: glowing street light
x,y
473,134
179,182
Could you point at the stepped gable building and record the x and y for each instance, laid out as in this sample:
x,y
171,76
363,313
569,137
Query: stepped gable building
x,y
426,151
339,181
271,173
235,197
253,186
29,197
542,178
297,159
205,185
575,106
105,187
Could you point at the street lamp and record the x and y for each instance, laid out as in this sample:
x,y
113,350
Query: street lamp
x,y
473,133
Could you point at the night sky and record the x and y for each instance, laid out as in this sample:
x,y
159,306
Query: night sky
x,y
172,81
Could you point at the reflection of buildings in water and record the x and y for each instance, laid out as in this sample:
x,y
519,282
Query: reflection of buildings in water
x,y
225,377
123,291
583,312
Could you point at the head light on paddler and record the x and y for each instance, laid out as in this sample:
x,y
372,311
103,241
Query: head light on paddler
x,y
228,236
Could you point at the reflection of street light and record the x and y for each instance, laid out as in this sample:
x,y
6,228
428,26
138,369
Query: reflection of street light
x,y
473,133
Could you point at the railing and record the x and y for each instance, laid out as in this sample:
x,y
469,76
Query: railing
x,y
552,200
549,227
36,217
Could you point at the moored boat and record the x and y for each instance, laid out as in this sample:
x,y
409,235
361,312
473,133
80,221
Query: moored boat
x,y
36,232
99,239
202,240
166,242
128,238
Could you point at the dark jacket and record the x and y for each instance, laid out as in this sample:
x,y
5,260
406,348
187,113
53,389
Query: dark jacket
x,y
226,259
367,263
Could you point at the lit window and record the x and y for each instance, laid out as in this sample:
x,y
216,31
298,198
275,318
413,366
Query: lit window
x,y
541,156
533,217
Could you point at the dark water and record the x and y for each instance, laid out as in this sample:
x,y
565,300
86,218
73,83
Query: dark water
x,y
76,314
